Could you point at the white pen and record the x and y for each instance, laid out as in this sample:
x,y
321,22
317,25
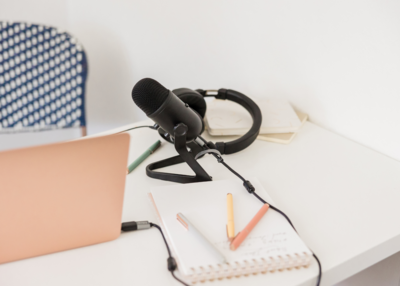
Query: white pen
x,y
190,227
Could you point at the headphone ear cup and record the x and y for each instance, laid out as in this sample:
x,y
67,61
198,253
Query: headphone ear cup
x,y
193,98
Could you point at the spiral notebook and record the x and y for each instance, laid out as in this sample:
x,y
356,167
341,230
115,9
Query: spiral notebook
x,y
272,244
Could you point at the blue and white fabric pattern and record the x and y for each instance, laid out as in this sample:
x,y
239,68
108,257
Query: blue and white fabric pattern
x,y
42,79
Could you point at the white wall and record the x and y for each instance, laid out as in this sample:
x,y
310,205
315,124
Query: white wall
x,y
339,61
48,12
336,60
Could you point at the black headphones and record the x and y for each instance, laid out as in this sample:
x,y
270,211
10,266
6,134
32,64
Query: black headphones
x,y
179,119
195,99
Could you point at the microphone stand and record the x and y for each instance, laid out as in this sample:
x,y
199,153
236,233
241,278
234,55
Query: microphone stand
x,y
180,132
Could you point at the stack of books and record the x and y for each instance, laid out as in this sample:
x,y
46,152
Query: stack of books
x,y
279,124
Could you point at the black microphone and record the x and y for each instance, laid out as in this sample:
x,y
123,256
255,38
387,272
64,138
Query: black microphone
x,y
165,108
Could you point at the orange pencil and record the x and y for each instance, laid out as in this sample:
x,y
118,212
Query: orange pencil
x,y
249,227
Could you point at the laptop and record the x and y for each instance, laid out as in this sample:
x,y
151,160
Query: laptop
x,y
61,196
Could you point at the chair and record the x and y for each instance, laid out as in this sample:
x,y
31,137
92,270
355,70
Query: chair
x,y
42,79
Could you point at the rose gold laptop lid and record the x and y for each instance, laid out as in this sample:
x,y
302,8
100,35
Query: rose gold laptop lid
x,y
61,196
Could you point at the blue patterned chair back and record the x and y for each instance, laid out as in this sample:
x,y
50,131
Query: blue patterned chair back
x,y
42,79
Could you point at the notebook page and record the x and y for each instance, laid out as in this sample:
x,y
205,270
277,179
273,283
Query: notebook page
x,y
204,204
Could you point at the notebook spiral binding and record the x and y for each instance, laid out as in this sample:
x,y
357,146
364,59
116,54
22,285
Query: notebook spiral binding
x,y
246,268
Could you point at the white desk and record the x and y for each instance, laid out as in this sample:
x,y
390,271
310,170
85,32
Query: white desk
x,y
343,199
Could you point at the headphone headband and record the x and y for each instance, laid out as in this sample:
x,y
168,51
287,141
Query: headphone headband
x,y
247,139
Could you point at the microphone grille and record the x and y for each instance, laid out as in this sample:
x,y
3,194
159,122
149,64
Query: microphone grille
x,y
149,95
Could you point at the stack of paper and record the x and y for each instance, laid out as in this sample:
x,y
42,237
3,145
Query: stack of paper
x,y
280,121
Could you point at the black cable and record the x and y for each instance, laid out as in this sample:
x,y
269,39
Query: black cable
x,y
134,225
204,140
287,218
319,268
233,171
166,244
220,160
173,275
276,209
171,260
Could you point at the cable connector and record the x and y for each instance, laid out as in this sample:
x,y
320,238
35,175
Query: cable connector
x,y
135,225
249,187
171,264
155,126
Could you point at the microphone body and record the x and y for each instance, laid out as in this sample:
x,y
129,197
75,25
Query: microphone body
x,y
174,111
166,109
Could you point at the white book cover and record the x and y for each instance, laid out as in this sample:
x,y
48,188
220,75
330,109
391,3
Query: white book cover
x,y
272,244
229,118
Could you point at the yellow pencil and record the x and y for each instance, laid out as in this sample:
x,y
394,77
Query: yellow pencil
x,y
230,227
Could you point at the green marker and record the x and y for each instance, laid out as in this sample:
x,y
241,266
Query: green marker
x,y
142,157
